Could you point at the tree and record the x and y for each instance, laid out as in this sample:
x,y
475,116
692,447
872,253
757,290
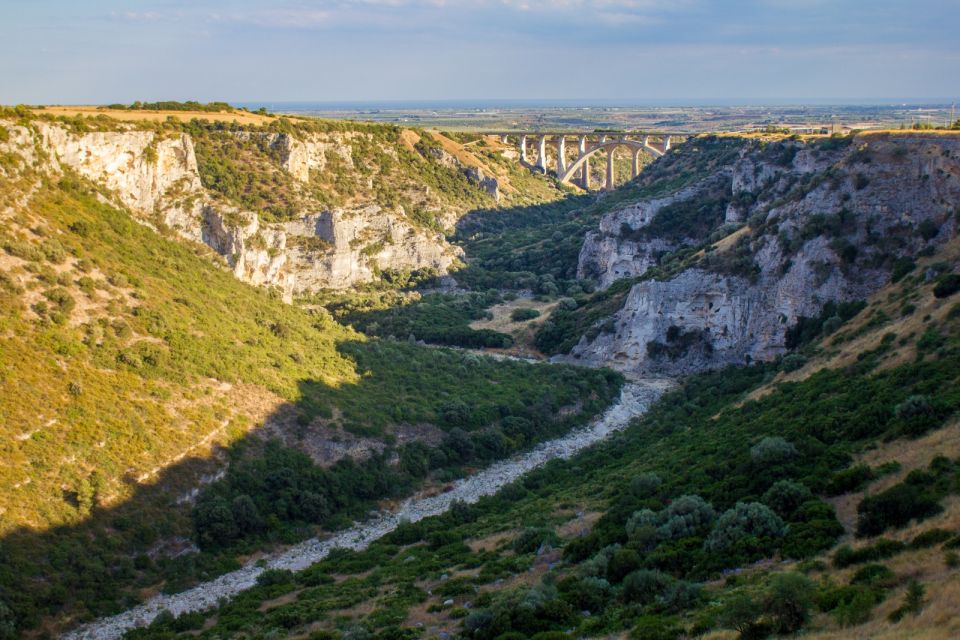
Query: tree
x,y
214,522
684,517
86,496
773,450
740,613
788,601
646,485
786,496
645,586
746,520
8,627
622,563
246,516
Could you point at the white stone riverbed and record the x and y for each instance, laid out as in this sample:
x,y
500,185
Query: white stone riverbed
x,y
635,398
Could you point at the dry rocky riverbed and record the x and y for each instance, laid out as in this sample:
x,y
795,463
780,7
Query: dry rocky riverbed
x,y
635,398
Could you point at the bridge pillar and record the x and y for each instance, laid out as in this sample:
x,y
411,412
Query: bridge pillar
x,y
585,169
610,183
561,155
636,162
523,150
504,138
542,153
646,141
666,144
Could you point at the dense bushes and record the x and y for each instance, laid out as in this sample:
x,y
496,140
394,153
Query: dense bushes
x,y
917,497
747,531
947,285
436,318
522,314
831,317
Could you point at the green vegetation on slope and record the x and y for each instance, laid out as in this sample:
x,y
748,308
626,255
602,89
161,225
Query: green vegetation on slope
x,y
122,351
173,105
705,482
537,247
435,318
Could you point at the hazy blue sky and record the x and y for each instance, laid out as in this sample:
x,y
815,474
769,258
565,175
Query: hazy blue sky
x,y
82,51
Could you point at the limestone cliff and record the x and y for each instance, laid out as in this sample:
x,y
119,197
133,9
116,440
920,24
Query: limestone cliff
x,y
827,221
156,176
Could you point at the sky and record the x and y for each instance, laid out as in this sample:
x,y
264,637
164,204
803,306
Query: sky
x,y
637,51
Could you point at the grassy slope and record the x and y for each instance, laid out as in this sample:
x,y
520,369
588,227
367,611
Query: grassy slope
x,y
123,352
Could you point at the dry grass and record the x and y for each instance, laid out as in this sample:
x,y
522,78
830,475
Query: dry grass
x,y
523,333
279,601
469,159
579,525
409,138
491,542
911,454
134,115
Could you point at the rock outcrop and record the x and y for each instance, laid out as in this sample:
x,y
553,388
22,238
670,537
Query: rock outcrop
x,y
157,178
827,222
612,253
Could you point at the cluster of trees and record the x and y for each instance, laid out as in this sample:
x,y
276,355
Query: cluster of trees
x,y
278,493
435,318
173,105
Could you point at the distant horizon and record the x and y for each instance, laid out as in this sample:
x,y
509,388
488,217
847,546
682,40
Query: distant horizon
x,y
645,52
559,103
573,103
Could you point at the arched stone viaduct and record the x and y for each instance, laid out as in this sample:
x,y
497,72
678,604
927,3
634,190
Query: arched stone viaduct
x,y
588,145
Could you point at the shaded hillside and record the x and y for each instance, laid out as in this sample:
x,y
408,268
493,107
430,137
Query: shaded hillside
x,y
133,365
525,247
755,501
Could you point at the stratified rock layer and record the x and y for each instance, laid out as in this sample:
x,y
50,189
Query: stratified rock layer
x,y
157,178
831,220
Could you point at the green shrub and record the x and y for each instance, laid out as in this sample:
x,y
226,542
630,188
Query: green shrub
x,y
787,601
773,450
896,507
846,556
792,362
272,577
748,530
645,586
522,314
901,268
947,285
930,538
656,628
533,538
912,602
849,480
785,497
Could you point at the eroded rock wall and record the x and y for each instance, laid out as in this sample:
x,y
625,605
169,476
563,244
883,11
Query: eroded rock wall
x,y
828,224
157,178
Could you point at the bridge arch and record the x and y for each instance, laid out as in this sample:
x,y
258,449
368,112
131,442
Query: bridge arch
x,y
609,146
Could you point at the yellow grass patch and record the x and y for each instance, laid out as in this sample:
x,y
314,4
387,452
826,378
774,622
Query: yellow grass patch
x,y
135,115
524,332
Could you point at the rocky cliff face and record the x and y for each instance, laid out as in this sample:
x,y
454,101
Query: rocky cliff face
x,y
156,177
614,251
827,220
